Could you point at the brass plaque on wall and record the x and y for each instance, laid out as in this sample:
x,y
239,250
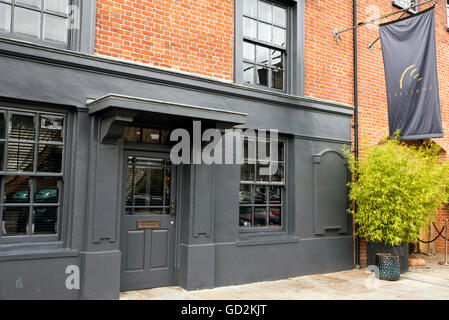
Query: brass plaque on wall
x,y
152,224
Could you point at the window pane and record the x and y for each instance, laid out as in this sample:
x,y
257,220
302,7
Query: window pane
x,y
2,155
245,194
279,16
277,79
129,184
51,128
262,76
49,158
260,217
46,190
279,36
45,220
263,175
156,186
15,221
247,172
264,32
27,22
17,189
281,151
150,136
262,55
20,157
167,185
279,175
260,194
57,6
275,216
165,137
32,3
5,17
249,28
55,29
245,217
141,187
250,8
248,73
132,134
265,12
277,59
275,195
248,51
2,125
21,127
250,149
263,150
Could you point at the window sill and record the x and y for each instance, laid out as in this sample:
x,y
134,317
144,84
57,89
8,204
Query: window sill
x,y
267,240
38,254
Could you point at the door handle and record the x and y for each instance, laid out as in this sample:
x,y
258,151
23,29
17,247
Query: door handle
x,y
172,208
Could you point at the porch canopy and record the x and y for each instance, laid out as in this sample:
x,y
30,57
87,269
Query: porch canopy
x,y
118,111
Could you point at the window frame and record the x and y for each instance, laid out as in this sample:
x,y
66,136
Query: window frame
x,y
284,199
294,51
81,40
399,5
63,203
270,46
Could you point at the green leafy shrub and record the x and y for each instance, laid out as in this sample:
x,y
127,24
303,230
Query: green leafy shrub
x,y
398,190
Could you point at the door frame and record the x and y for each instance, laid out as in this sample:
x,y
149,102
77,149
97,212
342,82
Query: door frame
x,y
150,150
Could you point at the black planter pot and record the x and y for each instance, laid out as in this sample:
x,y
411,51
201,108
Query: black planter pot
x,y
388,264
402,251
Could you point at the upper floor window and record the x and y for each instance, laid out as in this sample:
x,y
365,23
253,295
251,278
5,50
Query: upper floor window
x,y
31,175
403,4
46,21
264,43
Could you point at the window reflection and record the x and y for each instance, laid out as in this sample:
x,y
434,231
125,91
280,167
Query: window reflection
x,y
261,196
31,187
148,186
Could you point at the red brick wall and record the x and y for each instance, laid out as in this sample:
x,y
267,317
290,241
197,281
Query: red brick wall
x,y
328,64
193,36
440,222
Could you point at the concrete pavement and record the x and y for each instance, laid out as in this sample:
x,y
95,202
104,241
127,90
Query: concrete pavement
x,y
421,282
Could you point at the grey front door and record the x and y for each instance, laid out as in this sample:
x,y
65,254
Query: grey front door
x,y
148,224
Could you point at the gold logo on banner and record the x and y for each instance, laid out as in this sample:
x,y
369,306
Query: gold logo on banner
x,y
412,72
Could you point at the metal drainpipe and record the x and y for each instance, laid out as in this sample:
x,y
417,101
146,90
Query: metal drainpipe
x,y
356,121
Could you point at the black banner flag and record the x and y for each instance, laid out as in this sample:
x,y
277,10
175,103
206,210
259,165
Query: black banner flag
x,y
409,54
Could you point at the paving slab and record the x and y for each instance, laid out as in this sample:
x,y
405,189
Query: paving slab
x,y
421,283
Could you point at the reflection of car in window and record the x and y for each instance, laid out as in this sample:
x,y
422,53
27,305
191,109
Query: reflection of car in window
x,y
20,196
44,219
47,195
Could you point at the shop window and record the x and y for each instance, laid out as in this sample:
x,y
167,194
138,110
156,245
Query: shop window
x,y
262,197
403,4
42,21
31,175
264,44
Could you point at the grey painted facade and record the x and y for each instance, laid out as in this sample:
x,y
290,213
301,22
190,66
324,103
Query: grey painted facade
x,y
210,250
